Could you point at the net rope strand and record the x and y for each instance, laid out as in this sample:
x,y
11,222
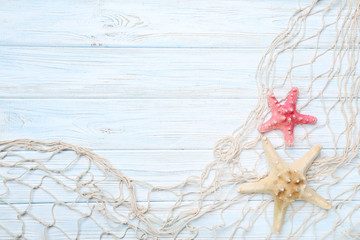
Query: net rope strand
x,y
75,181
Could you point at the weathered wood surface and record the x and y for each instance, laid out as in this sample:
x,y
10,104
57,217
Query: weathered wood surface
x,y
89,230
157,23
147,123
157,167
53,72
151,86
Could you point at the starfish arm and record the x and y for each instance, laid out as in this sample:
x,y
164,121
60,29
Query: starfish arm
x,y
304,163
260,186
289,135
268,126
271,155
305,119
272,101
292,98
311,196
280,208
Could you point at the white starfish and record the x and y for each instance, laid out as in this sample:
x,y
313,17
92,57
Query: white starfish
x,y
286,182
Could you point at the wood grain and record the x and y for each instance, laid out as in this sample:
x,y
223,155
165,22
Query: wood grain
x,y
160,168
42,73
148,123
151,86
157,23
67,220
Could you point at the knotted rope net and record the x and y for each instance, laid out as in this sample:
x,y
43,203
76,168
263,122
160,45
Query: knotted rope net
x,y
94,195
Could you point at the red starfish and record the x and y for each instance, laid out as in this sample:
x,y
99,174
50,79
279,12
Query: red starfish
x,y
285,117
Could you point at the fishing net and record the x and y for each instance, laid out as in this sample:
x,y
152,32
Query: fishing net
x,y
318,52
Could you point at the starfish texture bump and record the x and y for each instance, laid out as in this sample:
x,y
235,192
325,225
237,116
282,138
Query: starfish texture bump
x,y
285,117
286,182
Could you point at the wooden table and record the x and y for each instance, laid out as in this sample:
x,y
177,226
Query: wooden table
x,y
149,85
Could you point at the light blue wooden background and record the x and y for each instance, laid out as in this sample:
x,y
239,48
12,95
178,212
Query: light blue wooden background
x,y
150,85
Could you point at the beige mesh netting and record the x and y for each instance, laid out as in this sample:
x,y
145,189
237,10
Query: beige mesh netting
x,y
94,195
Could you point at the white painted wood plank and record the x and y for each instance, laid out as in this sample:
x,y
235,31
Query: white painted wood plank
x,y
67,220
162,74
157,23
149,73
149,123
160,168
